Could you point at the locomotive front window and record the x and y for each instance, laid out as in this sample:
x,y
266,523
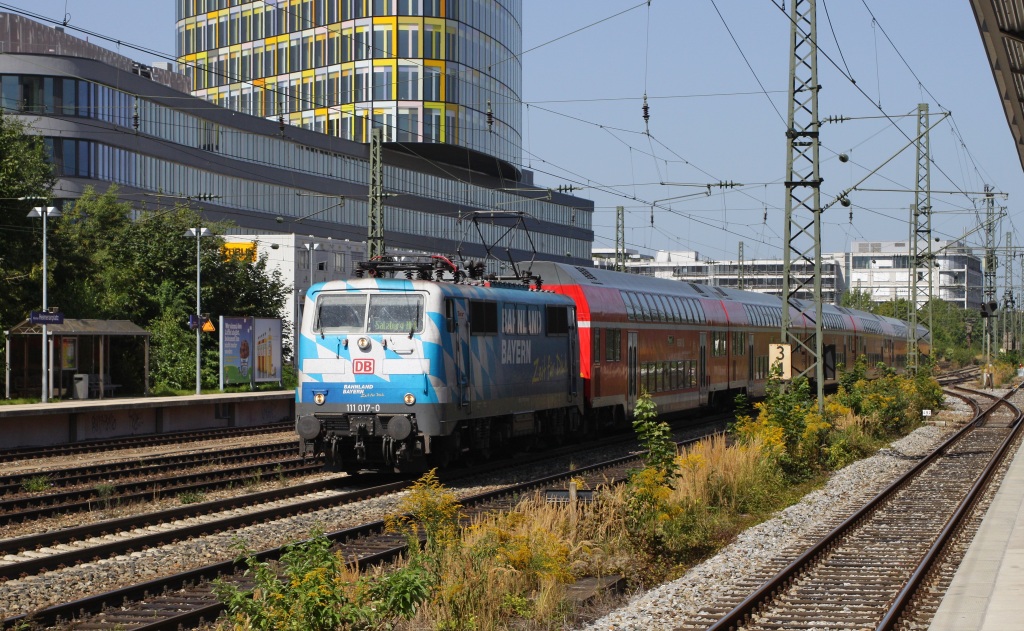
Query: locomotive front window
x,y
341,313
395,313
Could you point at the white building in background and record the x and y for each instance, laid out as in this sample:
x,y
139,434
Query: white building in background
x,y
881,268
759,275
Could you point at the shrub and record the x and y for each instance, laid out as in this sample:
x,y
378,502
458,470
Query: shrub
x,y
655,436
314,590
431,508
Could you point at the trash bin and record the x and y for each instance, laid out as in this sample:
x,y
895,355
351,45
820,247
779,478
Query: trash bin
x,y
81,387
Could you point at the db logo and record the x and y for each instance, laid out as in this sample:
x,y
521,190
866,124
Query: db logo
x,y
362,366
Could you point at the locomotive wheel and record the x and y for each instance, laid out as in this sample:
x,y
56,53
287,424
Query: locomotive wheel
x,y
334,455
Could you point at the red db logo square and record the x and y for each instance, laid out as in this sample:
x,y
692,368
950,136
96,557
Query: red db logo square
x,y
362,366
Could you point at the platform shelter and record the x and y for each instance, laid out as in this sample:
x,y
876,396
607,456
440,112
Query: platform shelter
x,y
79,358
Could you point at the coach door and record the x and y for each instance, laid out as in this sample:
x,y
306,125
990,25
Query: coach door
x,y
632,372
750,361
574,355
829,367
702,368
458,323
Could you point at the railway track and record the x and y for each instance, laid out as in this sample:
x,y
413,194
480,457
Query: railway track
x,y
185,600
866,571
36,507
186,593
133,442
143,467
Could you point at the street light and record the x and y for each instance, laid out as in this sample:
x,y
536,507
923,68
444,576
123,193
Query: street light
x,y
312,247
44,212
198,233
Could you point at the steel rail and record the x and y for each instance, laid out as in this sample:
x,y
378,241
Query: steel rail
x,y
902,600
133,442
115,598
743,611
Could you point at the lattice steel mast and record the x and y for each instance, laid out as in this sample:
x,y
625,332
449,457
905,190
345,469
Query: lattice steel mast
x,y
990,268
741,280
375,220
620,239
921,254
803,192
1008,302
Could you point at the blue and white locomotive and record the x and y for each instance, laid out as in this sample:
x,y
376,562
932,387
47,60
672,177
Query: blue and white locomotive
x,y
410,373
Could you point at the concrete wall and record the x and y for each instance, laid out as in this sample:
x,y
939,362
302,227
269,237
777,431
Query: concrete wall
x,y
45,424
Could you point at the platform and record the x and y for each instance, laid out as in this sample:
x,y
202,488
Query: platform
x,y
987,592
53,423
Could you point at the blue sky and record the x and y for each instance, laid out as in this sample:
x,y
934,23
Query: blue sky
x,y
715,74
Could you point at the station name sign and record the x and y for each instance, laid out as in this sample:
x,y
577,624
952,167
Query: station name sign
x,y
41,317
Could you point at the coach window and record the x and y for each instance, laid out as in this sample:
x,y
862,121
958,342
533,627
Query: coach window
x,y
595,345
340,313
718,343
655,307
665,312
677,313
612,345
483,317
652,300
650,315
639,305
739,343
627,299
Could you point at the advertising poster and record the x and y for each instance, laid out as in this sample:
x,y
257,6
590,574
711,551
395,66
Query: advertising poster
x,y
236,350
267,351
69,353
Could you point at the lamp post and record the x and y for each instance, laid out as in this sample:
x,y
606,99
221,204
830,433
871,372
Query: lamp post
x,y
312,247
44,212
198,233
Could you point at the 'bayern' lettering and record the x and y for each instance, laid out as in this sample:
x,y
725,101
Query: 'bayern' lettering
x,y
516,351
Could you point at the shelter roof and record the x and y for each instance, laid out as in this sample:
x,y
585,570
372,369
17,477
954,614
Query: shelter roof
x,y
73,326
1001,23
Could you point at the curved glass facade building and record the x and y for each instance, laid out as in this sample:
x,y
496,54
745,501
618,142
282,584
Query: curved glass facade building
x,y
425,71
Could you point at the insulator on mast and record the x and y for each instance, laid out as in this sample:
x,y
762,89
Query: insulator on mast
x,y
647,114
490,116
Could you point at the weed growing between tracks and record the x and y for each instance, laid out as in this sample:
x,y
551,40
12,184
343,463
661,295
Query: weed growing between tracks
x,y
36,484
512,570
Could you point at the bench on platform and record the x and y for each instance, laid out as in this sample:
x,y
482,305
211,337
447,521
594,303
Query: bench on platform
x,y
109,389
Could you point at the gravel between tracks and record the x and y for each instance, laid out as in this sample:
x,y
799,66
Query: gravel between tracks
x,y
669,605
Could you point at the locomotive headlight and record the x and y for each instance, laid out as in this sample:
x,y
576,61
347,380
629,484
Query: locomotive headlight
x,y
410,399
319,398
364,343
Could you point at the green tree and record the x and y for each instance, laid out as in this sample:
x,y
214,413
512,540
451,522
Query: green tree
x,y
856,299
144,270
950,332
899,308
25,172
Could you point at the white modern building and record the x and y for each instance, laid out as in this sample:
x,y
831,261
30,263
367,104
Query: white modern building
x,y
879,268
882,269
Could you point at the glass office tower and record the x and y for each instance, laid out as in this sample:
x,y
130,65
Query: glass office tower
x,y
425,71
